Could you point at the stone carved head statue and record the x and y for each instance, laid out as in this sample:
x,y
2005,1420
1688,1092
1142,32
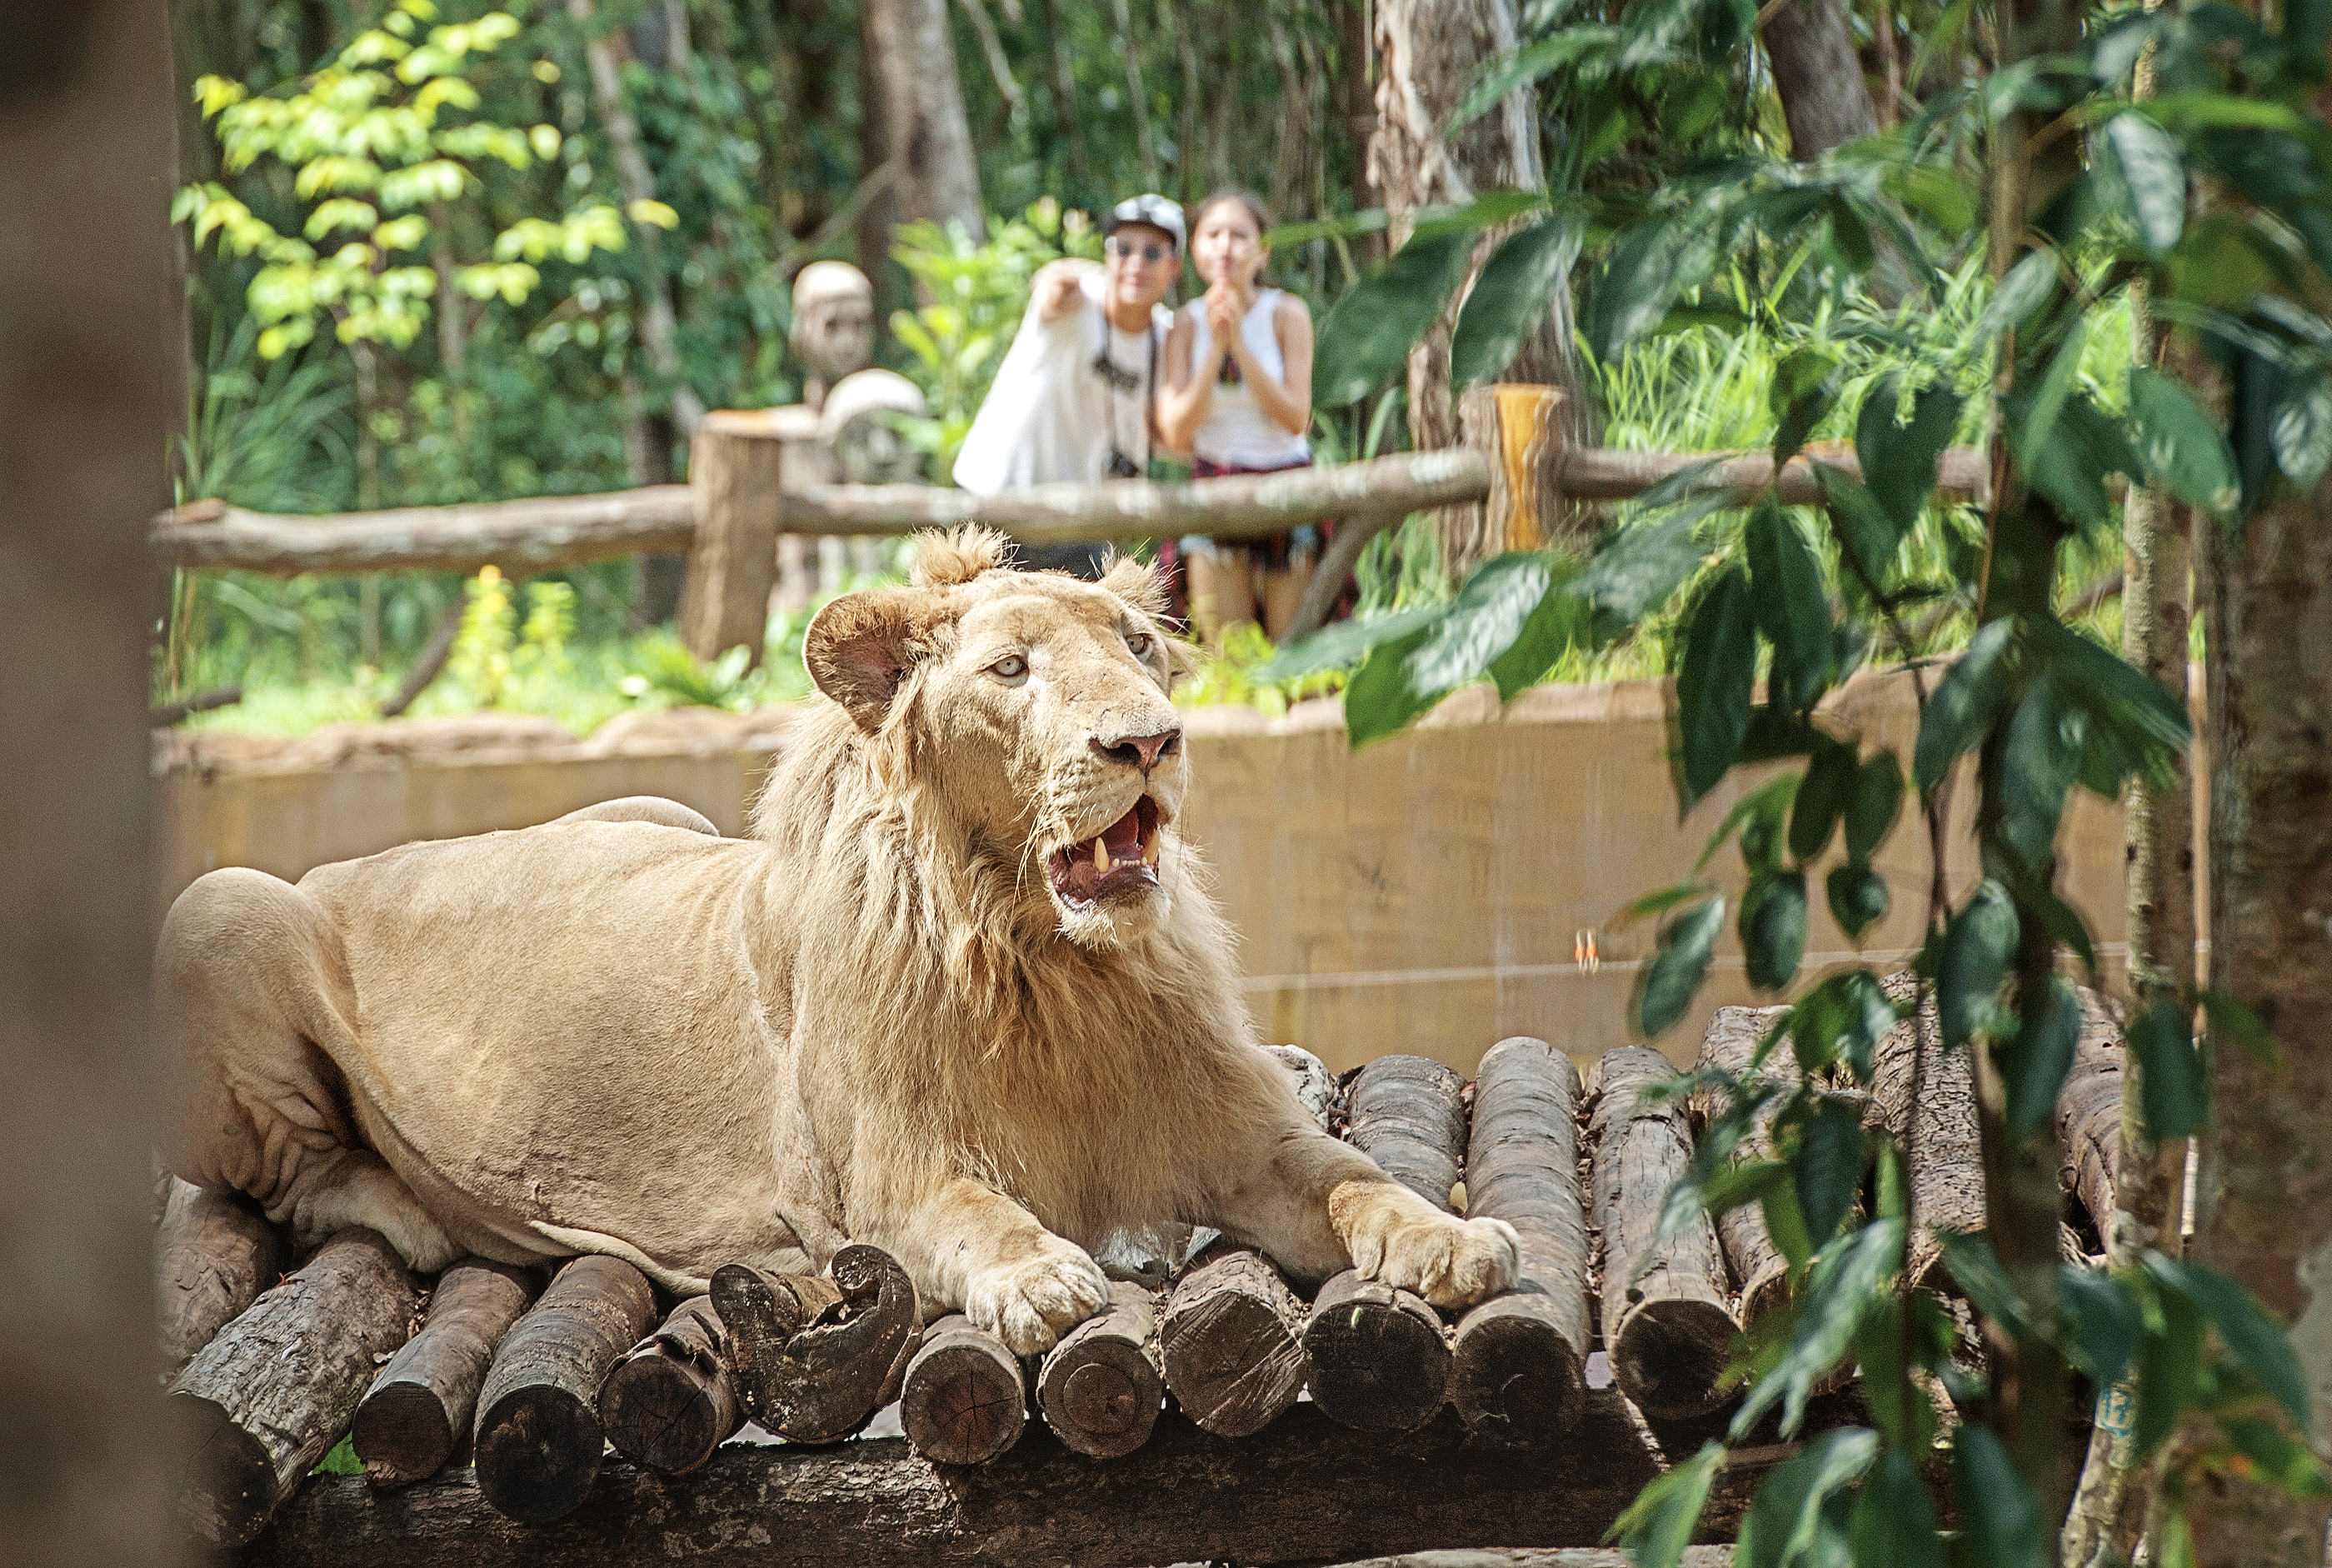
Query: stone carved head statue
x,y
862,426
834,325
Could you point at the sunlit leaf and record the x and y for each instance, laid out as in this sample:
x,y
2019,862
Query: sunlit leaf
x,y
2154,175
1366,336
1846,1275
1509,299
1666,986
1487,615
1845,1016
1380,699
1339,644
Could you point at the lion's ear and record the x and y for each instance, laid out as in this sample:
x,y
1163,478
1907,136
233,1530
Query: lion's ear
x,y
1138,582
859,646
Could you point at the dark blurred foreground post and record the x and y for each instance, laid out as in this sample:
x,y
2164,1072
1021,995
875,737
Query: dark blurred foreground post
x,y
87,335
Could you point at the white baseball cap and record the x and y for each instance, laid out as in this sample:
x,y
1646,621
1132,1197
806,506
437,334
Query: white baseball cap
x,y
1152,209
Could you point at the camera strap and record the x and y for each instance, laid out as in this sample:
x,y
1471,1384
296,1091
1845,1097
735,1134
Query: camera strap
x,y
1117,378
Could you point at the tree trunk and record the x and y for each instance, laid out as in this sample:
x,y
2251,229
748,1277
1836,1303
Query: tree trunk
x,y
538,1439
214,1253
964,1402
1101,1388
914,118
2267,1214
1516,1373
1666,1322
269,1396
89,398
1818,77
420,1408
1430,54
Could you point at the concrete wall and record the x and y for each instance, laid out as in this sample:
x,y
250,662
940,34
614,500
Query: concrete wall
x,y
1429,894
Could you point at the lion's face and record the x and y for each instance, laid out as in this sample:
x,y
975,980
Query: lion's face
x,y
1036,706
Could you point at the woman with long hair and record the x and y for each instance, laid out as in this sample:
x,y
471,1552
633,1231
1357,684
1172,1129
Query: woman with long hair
x,y
1238,396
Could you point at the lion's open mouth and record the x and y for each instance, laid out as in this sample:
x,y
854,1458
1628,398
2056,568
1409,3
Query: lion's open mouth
x,y
1120,858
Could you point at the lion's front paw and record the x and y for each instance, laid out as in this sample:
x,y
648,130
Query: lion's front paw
x,y
1031,1304
1450,1262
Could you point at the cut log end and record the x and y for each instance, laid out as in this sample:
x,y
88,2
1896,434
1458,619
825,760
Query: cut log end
x,y
402,1435
814,1358
1513,1375
1669,1355
964,1402
229,1486
1100,1387
1378,1362
538,1450
1231,1342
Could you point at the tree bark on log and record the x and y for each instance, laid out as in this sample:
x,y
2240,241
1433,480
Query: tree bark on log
x,y
1732,1040
421,1405
214,1253
1945,1151
1380,1361
671,1400
1101,1388
814,1358
965,1401
1408,1114
2088,1133
538,1438
736,473
1314,1492
271,1394
1516,1359
1231,1341
1666,1322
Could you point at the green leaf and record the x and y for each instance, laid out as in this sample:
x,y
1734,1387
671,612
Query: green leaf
x,y
1859,898
1979,948
2000,1522
1666,986
1829,1164
2277,1460
1846,1277
2030,283
1975,1269
1786,1226
2155,174
1648,269
1342,643
1870,809
1786,1515
1764,806
2170,1368
1640,567
1487,615
1657,1527
1720,661
1567,47
2103,1324
2034,1060
2300,430
1380,700
1785,577
1822,798
2042,754
1773,929
1560,621
2229,1017
1509,299
2113,693
2086,446
2250,1335
1867,535
1847,1016
1365,338
1966,703
2173,1083
1802,387
1894,1521
2036,420
1898,461
2179,445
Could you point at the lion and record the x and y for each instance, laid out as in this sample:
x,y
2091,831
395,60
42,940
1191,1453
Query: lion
x,y
963,994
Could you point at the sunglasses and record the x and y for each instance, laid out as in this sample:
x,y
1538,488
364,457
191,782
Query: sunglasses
x,y
1152,253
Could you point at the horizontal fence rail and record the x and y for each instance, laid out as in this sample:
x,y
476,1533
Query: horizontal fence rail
x,y
550,532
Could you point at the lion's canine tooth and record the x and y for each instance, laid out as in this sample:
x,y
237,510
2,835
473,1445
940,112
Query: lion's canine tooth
x,y
1150,851
1101,853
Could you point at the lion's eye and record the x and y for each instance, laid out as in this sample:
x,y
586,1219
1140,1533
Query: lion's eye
x,y
1139,643
1011,667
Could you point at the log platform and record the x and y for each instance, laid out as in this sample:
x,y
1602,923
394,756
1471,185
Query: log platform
x,y
1140,1439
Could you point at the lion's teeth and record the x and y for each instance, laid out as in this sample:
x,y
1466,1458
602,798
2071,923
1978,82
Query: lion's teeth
x,y
1101,853
1150,851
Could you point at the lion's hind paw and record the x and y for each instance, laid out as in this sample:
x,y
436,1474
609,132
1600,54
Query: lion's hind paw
x,y
1029,1305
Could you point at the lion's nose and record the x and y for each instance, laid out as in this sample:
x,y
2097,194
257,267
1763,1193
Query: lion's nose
x,y
1140,751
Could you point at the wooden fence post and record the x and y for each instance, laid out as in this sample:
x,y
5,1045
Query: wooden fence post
x,y
1520,431
734,463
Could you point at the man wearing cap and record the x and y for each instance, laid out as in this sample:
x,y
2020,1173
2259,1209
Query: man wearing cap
x,y
1074,397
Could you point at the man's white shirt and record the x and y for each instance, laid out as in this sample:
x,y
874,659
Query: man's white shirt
x,y
1048,416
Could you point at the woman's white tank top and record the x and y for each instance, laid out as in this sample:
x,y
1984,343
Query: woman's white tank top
x,y
1236,432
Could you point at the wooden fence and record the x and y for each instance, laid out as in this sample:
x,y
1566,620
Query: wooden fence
x,y
1515,466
